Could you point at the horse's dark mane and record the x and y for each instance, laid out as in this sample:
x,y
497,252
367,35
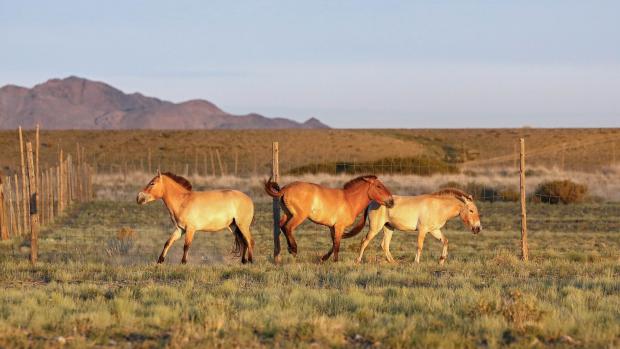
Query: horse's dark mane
x,y
354,181
180,180
452,192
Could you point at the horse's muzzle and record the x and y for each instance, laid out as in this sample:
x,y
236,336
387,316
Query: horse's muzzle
x,y
476,229
389,203
142,198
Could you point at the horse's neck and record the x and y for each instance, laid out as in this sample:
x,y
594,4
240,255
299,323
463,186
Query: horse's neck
x,y
358,198
173,198
455,208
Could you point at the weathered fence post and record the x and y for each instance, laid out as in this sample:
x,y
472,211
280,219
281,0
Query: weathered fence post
x,y
4,232
219,161
524,247
12,220
212,163
36,162
24,194
275,176
34,217
18,216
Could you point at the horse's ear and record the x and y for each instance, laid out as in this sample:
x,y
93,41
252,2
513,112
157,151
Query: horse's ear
x,y
158,173
471,198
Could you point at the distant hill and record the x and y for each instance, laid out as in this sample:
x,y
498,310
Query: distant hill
x,y
77,103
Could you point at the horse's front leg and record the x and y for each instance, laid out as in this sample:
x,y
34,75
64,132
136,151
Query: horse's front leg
x,y
176,234
325,257
189,237
421,236
444,241
337,232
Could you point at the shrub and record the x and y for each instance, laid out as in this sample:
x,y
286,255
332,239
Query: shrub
x,y
564,191
418,165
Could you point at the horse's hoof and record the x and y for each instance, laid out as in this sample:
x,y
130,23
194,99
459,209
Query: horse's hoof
x,y
243,261
183,261
160,260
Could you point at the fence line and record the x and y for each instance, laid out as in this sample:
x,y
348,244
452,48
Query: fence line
x,y
44,194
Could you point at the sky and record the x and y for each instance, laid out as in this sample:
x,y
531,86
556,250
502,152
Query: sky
x,y
352,64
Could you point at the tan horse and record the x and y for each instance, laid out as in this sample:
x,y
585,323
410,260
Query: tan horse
x,y
334,208
208,211
426,213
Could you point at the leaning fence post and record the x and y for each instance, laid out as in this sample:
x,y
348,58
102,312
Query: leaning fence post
x,y
524,247
34,217
4,232
275,177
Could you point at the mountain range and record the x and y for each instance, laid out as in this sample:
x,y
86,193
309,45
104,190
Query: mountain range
x,y
78,103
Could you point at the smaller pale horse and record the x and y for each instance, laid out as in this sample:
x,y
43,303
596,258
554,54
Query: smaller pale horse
x,y
426,213
208,211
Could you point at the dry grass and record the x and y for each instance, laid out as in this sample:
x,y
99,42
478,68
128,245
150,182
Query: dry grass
x,y
602,185
587,150
79,295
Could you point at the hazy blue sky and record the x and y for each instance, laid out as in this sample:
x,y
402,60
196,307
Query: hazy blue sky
x,y
349,63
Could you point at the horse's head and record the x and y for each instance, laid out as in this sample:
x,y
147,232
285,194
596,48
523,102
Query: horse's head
x,y
153,191
379,192
469,214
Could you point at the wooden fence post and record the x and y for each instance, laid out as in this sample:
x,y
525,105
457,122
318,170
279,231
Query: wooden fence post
x,y
24,194
212,163
12,220
149,161
275,176
524,246
36,161
34,217
4,232
236,161
219,161
18,216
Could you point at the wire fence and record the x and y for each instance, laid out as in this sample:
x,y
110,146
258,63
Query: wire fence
x,y
112,229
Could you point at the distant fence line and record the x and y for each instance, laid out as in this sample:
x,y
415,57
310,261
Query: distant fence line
x,y
37,195
41,195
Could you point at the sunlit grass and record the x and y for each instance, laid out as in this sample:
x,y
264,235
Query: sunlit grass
x,y
84,294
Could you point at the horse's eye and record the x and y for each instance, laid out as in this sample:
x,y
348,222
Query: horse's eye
x,y
471,211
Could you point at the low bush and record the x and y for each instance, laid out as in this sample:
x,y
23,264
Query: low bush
x,y
564,191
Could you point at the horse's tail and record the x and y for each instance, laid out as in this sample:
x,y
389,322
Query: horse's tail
x,y
272,188
360,225
240,243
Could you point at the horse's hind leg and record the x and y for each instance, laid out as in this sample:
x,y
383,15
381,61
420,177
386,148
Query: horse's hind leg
x,y
385,244
176,234
444,241
293,221
244,230
375,227
189,237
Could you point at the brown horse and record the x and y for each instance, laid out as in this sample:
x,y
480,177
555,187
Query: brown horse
x,y
334,208
208,211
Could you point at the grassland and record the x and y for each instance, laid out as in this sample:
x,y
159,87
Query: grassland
x,y
91,289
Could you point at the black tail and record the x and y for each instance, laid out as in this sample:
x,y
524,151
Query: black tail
x,y
360,225
272,188
240,242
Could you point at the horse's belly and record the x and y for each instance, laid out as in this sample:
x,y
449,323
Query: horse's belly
x,y
209,220
404,222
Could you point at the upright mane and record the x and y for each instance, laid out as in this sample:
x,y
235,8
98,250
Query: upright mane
x,y
180,180
354,181
453,192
